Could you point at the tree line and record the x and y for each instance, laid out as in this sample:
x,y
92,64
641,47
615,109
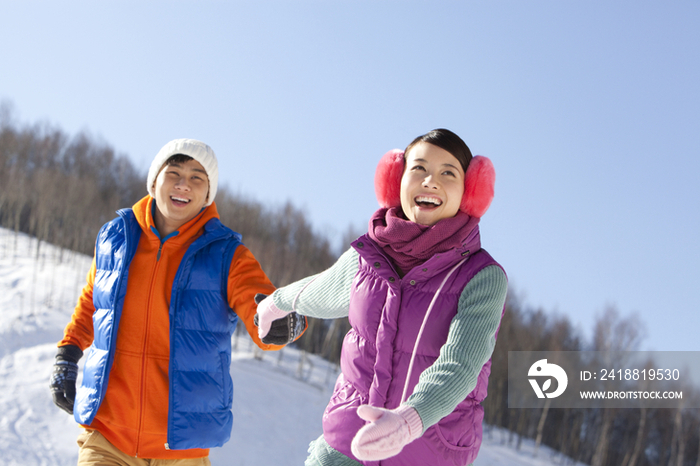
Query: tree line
x,y
595,436
62,189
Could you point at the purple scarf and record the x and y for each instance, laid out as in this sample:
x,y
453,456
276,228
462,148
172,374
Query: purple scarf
x,y
409,244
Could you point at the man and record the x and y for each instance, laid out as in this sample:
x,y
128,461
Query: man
x,y
167,286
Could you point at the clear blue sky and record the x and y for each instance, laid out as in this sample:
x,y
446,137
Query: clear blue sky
x,y
590,112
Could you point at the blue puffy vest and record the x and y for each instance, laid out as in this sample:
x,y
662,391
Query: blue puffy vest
x,y
201,325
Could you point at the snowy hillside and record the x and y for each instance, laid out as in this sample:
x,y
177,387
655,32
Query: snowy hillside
x,y
278,401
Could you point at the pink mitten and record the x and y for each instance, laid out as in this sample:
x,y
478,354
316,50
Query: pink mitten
x,y
267,312
387,433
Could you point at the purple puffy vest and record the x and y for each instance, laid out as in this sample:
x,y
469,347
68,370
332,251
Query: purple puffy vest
x,y
386,313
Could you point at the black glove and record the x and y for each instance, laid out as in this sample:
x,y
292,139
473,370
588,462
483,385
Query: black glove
x,y
65,373
284,330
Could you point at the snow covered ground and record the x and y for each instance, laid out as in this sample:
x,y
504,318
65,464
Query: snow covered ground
x,y
278,401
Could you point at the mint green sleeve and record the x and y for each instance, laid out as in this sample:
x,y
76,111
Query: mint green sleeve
x,y
325,295
469,346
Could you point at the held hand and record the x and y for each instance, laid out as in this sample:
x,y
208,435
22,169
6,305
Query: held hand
x,y
388,431
65,373
275,326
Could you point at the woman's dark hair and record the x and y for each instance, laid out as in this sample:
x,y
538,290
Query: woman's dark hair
x,y
447,140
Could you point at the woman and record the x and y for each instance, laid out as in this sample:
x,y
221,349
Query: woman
x,y
424,301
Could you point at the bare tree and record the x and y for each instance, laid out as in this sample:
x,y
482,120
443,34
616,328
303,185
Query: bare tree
x,y
613,333
677,443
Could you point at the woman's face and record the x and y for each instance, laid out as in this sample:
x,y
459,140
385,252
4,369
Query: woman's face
x,y
432,184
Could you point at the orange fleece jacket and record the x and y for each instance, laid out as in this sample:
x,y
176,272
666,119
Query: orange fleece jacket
x,y
133,415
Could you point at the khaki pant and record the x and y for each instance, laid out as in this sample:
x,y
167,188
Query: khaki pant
x,y
95,450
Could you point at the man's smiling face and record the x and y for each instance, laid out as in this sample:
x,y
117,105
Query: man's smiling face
x,y
181,192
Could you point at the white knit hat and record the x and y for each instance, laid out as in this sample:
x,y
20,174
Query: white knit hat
x,y
195,149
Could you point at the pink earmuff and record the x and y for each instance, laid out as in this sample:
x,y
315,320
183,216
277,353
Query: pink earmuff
x,y
478,183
